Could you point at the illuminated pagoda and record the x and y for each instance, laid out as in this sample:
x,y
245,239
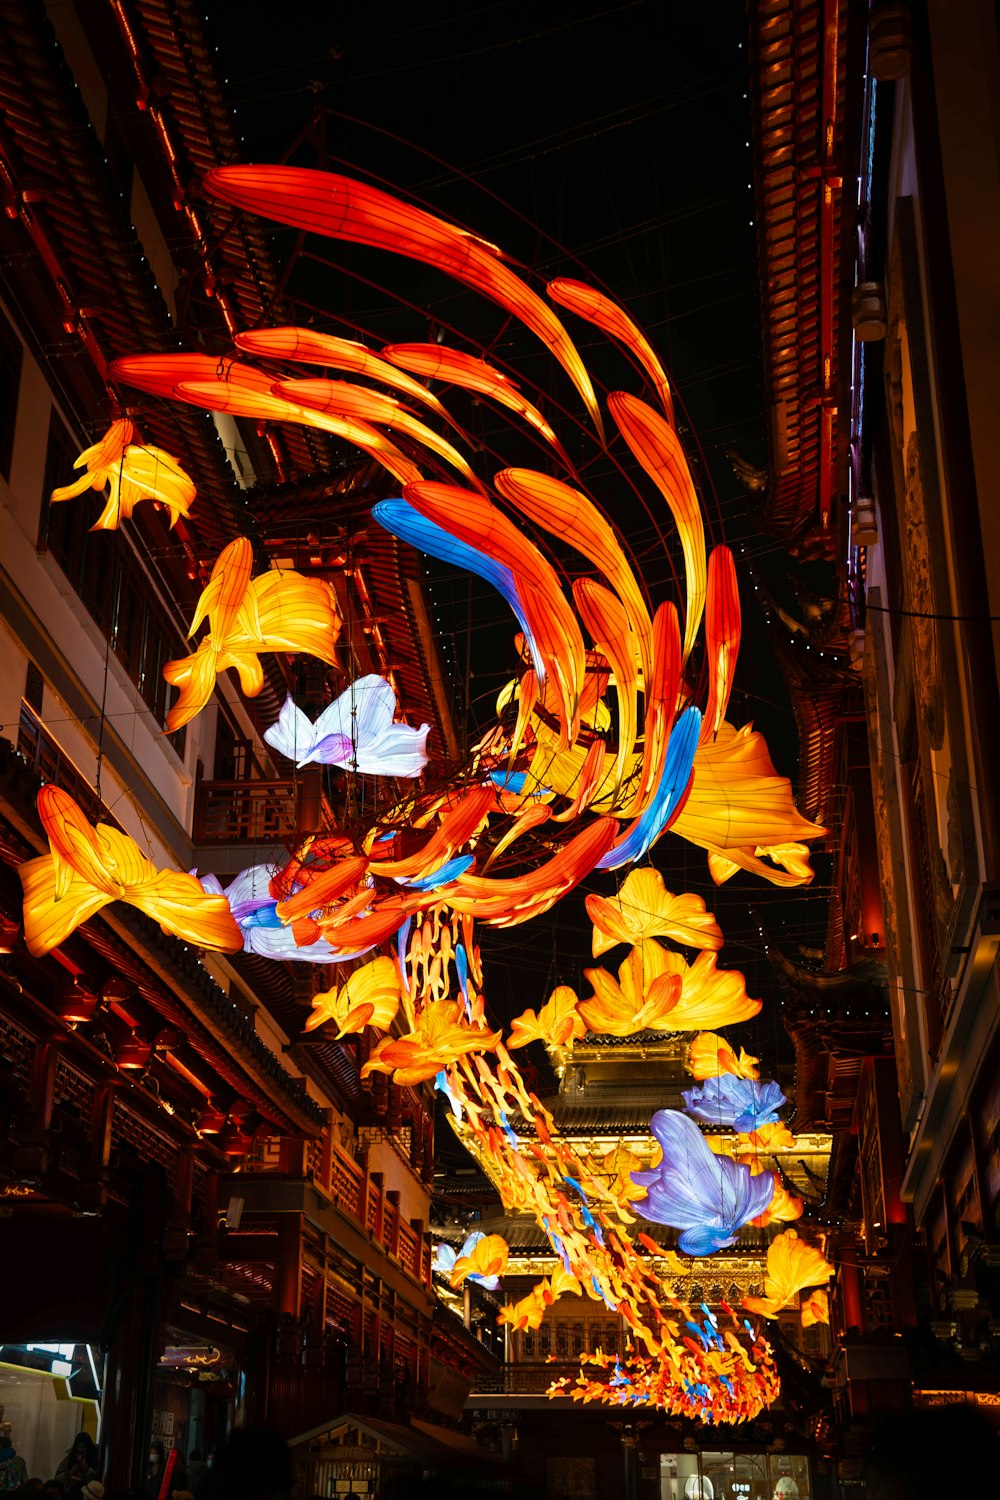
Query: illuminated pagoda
x,y
609,1088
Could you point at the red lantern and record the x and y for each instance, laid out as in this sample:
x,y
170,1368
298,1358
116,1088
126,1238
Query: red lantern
x,y
77,1005
234,1140
133,1054
211,1120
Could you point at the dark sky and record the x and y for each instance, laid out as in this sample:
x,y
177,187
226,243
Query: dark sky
x,y
606,142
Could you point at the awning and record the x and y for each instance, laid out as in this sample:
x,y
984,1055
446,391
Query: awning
x,y
423,1443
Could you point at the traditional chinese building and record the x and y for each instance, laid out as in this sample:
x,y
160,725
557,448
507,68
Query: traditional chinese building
x,y
875,340
206,1218
609,1088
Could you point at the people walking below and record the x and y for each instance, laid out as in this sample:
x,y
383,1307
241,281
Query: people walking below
x,y
79,1466
196,1471
13,1469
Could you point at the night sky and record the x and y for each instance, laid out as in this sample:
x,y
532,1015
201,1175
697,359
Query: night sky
x,y
610,143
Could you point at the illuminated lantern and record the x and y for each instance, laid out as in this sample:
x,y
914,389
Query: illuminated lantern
x,y
783,1208
587,302
370,997
482,1258
131,473
211,1120
549,623
239,389
87,868
815,1308
438,362
338,398
133,1054
708,1197
659,451
77,1005
737,804
274,612
792,1264
741,1104
356,732
710,996
644,908
255,911
307,346
722,636
646,994
440,1036
558,1023
570,515
709,1055
344,209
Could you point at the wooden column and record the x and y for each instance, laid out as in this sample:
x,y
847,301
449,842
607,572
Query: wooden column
x,y
134,1343
288,1282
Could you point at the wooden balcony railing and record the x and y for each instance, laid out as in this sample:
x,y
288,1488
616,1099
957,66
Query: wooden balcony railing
x,y
229,812
360,1196
234,812
47,758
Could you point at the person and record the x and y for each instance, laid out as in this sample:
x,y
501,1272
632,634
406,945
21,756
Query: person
x,y
92,1490
52,1490
79,1466
196,1471
13,1469
154,1471
32,1487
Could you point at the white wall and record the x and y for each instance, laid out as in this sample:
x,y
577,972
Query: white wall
x,y
44,1418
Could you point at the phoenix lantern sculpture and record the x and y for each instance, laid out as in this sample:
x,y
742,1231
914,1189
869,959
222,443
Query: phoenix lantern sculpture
x,y
612,734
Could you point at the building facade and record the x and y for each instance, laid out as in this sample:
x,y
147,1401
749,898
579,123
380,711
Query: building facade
x,y
206,1217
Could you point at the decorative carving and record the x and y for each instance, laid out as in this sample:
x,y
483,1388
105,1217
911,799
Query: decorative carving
x,y
920,597
956,855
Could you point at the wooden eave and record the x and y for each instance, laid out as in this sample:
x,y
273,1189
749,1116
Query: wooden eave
x,y
798,54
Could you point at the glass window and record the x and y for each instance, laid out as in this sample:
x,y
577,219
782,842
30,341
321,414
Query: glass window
x,y
110,581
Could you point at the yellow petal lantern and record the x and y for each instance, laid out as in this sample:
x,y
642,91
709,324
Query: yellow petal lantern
x,y
792,1263
439,1037
710,1056
131,472
488,1257
89,867
246,616
644,908
370,997
558,1023
815,1308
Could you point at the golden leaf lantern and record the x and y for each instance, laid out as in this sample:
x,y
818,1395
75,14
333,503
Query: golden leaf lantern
x,y
370,997
488,1257
710,1056
815,1308
89,867
792,1264
131,472
557,1024
643,999
439,1038
644,908
274,612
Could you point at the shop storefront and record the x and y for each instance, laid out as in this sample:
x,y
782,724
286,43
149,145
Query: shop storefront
x,y
49,1393
734,1476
